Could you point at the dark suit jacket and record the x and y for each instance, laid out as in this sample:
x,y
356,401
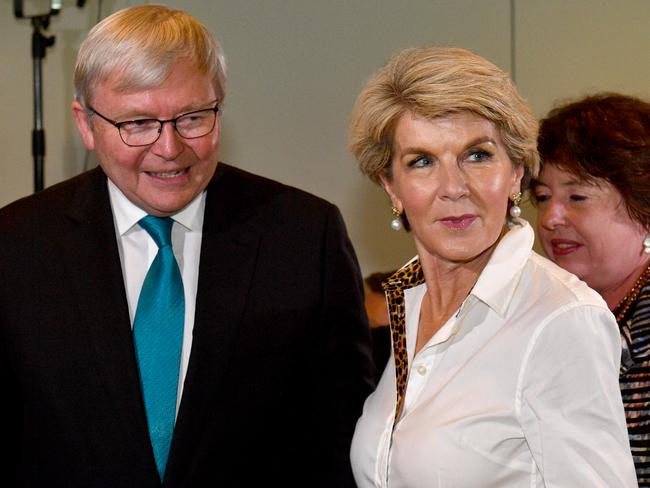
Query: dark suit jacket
x,y
279,364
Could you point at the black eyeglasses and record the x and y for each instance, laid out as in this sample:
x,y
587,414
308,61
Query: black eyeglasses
x,y
144,132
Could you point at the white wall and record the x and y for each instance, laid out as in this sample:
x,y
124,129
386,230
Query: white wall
x,y
566,49
297,65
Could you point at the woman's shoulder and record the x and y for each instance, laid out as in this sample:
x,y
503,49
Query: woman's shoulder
x,y
549,282
565,312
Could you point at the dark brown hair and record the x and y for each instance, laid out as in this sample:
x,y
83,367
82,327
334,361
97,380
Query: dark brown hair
x,y
604,136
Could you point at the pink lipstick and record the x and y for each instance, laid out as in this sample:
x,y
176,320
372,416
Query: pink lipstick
x,y
458,222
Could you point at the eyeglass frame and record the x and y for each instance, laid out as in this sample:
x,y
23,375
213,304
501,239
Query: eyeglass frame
x,y
118,125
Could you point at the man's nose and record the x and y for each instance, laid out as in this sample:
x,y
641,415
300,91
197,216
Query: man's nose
x,y
169,144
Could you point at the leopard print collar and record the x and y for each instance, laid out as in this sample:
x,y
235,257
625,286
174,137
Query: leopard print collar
x,y
409,276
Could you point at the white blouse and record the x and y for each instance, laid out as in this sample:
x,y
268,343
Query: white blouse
x,y
518,389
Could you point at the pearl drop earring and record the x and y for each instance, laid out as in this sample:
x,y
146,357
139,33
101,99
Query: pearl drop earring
x,y
515,209
646,244
396,223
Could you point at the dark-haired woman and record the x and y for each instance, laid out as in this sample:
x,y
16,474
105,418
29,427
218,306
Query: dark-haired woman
x,y
593,198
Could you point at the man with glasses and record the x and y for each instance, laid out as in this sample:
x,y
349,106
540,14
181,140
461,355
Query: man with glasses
x,y
167,319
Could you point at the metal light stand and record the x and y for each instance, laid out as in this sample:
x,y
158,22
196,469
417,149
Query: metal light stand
x,y
40,43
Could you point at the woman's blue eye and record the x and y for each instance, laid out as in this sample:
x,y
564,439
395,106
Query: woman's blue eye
x,y
479,156
421,162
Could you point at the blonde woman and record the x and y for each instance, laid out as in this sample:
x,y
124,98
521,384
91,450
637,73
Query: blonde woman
x,y
505,367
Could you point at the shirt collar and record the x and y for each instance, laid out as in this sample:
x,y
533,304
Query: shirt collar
x,y
127,214
498,280
496,284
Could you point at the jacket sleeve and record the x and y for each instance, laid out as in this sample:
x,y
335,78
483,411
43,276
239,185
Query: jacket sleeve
x,y
346,361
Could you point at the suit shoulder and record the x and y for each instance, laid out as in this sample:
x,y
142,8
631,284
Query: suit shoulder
x,y
251,187
51,199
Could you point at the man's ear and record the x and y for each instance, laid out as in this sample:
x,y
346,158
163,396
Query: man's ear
x,y
84,126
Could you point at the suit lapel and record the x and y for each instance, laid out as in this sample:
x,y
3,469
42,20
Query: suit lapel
x,y
229,250
95,271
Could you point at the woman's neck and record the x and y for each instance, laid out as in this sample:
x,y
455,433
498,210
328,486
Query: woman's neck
x,y
447,288
615,294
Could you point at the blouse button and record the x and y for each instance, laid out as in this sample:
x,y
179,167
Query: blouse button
x,y
421,369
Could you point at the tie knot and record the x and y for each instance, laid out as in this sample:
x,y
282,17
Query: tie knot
x,y
159,228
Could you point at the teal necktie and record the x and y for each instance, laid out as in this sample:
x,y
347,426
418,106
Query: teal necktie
x,y
158,336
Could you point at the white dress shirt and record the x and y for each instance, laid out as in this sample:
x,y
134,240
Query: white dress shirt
x,y
138,250
519,388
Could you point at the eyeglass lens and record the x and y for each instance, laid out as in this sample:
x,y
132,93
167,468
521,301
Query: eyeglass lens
x,y
147,131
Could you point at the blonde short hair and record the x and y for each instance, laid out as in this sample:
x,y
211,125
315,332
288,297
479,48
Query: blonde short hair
x,y
434,82
142,45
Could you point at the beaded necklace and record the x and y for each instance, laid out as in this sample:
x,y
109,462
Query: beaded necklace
x,y
631,296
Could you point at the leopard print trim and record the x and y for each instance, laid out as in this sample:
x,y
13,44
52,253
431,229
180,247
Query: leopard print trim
x,y
408,276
